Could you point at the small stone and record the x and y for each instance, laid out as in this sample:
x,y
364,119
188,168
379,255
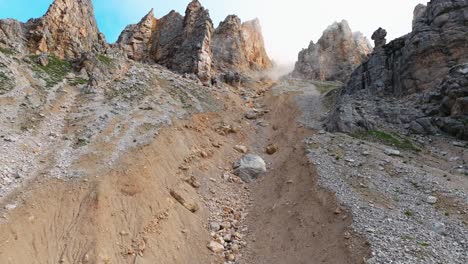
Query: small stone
x,y
458,144
392,152
271,149
431,200
215,247
347,235
230,257
235,248
214,226
251,114
241,148
439,228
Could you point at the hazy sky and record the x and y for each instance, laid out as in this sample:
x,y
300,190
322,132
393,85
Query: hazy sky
x,y
288,26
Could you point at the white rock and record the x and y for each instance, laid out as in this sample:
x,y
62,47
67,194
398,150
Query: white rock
x,y
215,247
392,152
439,228
241,149
431,200
249,167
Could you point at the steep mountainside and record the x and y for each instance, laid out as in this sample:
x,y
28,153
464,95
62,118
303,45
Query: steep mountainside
x,y
420,70
337,53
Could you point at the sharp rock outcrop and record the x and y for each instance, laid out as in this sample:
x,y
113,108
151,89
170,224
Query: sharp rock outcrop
x,y
66,30
404,73
190,44
239,46
337,53
182,44
136,39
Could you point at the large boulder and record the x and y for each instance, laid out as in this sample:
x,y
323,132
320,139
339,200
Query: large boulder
x,y
337,53
249,167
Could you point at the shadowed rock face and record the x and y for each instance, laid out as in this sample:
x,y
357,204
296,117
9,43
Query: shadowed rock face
x,y
66,30
415,69
338,52
239,46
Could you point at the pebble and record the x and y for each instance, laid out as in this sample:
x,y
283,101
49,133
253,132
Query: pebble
x,y
439,228
431,200
214,226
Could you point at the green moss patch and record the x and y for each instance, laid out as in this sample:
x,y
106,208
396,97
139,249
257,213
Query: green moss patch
x,y
387,139
104,59
6,84
77,81
7,51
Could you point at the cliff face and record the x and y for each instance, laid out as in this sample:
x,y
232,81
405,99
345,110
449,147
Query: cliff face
x,y
66,30
190,44
136,39
239,46
194,54
413,68
337,53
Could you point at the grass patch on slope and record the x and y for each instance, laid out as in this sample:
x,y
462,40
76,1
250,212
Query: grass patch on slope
x,y
104,59
326,87
7,51
6,84
54,72
387,139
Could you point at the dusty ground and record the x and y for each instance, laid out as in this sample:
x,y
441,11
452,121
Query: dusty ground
x,y
156,203
152,181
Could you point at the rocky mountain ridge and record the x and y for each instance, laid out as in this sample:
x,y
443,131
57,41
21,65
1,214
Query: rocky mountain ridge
x,y
183,44
417,81
49,34
334,57
190,44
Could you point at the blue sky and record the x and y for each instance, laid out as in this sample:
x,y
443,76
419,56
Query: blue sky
x,y
288,25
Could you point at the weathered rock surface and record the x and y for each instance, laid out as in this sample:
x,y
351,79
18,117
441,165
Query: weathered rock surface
x,y
183,44
189,44
239,46
66,30
136,40
194,54
337,53
415,78
249,167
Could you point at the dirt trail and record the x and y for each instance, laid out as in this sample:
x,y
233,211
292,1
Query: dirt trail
x,y
292,220
128,215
